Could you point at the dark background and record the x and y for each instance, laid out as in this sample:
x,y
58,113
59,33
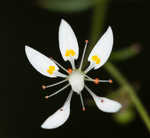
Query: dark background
x,y
38,28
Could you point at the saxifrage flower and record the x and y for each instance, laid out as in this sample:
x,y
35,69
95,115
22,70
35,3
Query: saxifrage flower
x,y
76,77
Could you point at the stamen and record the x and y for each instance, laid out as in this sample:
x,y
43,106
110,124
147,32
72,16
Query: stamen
x,y
69,70
46,97
97,80
88,78
86,42
59,74
92,93
91,66
48,86
81,98
72,63
59,65
110,81
43,87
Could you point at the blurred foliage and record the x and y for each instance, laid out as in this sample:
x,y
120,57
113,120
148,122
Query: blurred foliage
x,y
127,113
125,117
67,6
126,53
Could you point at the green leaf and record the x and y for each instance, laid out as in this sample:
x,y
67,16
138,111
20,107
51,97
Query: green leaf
x,y
125,53
66,6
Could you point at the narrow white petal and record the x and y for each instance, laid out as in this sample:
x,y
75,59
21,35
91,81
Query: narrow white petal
x,y
59,117
40,62
102,49
107,105
67,41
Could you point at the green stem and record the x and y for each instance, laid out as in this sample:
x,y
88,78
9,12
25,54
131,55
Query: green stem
x,y
96,26
136,101
124,54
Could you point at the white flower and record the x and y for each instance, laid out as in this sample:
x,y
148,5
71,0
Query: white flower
x,y
76,77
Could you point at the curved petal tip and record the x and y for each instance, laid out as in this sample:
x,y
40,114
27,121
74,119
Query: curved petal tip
x,y
107,105
59,117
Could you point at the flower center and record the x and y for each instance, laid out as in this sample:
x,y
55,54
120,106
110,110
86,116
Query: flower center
x,y
76,80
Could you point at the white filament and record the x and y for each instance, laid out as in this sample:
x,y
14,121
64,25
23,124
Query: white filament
x,y
58,91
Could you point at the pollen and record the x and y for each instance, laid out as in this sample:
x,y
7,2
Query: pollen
x,y
69,70
46,97
83,109
51,70
70,53
43,87
96,80
96,59
110,81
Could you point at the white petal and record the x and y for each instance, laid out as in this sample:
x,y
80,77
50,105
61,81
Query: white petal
x,y
59,117
40,62
67,41
107,105
102,49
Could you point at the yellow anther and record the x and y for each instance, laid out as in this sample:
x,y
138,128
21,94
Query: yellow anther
x,y
51,70
70,53
96,59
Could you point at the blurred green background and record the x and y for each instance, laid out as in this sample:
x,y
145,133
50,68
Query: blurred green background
x,y
35,23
